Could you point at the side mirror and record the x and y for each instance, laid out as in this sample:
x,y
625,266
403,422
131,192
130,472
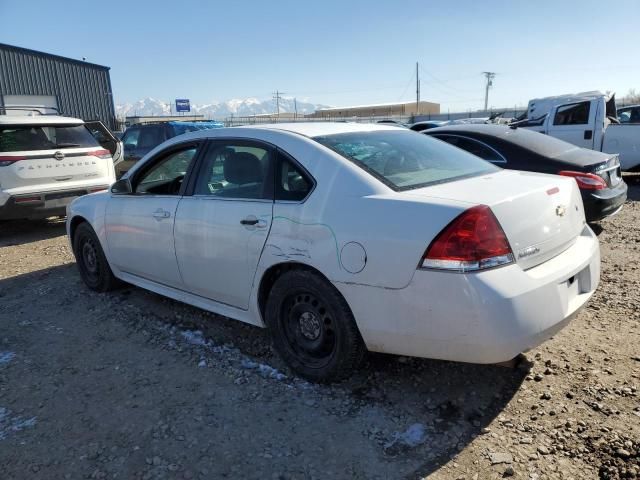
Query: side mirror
x,y
122,187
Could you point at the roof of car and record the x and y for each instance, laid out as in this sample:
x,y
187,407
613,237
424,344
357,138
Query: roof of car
x,y
317,129
38,120
521,137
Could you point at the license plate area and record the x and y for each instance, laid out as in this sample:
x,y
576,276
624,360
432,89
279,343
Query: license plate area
x,y
579,283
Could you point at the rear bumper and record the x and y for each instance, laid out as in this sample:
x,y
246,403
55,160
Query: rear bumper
x,y
485,317
42,204
599,204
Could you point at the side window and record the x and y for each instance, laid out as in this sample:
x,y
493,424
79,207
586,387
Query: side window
x,y
150,137
130,138
624,116
574,114
166,175
234,171
291,182
474,147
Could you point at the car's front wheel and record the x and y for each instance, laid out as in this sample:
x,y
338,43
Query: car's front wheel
x,y
92,263
312,327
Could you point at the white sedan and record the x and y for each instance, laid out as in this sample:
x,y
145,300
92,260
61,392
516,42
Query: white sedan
x,y
342,238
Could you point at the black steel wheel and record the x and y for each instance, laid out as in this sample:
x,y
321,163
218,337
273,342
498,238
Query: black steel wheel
x,y
312,327
92,263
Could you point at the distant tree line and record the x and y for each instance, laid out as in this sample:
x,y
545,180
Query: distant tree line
x,y
632,97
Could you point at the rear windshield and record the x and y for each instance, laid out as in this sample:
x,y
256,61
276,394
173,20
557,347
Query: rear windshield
x,y
44,137
536,142
403,159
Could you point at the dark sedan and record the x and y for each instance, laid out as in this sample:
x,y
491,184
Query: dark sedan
x,y
598,174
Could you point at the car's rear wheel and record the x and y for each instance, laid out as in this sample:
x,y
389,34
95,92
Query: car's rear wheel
x,y
312,327
92,263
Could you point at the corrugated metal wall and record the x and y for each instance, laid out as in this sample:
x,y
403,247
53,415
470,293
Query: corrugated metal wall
x,y
82,89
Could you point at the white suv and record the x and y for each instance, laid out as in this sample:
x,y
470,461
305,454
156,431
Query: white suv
x,y
48,160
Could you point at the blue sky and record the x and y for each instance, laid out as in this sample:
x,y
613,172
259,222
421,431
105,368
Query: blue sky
x,y
341,52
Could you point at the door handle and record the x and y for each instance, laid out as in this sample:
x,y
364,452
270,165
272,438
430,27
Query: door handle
x,y
249,221
160,213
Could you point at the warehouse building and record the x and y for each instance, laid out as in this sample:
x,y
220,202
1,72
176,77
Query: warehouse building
x,y
74,87
378,110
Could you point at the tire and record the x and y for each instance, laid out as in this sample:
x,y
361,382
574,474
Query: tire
x,y
313,328
92,263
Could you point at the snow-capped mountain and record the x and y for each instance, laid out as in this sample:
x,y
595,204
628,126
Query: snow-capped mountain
x,y
217,110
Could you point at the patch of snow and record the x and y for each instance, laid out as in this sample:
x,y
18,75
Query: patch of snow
x,y
413,436
194,337
266,371
6,357
10,424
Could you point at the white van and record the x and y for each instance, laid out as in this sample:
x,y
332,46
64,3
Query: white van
x,y
46,161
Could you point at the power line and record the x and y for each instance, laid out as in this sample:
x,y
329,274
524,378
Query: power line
x,y
402,97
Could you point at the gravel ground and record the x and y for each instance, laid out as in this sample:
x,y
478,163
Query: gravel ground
x,y
131,385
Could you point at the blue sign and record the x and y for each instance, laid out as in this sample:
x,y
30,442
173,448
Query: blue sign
x,y
182,105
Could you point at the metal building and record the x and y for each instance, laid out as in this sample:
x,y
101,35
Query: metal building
x,y
76,88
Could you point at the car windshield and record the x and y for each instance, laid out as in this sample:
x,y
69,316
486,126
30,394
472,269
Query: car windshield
x,y
403,159
44,137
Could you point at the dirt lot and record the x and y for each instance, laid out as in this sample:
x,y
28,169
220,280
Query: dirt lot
x,y
130,385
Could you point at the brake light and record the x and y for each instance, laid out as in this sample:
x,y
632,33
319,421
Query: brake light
x,y
6,160
474,240
100,153
27,199
586,181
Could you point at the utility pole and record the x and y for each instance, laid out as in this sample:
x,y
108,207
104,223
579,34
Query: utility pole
x,y
277,96
489,76
417,89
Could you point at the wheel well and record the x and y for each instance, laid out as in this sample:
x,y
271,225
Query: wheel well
x,y
273,273
75,222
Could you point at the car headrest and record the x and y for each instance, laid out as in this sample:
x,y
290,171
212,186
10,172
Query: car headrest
x,y
241,168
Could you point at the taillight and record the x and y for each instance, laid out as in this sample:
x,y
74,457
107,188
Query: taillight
x,y
6,160
100,153
474,240
35,199
586,181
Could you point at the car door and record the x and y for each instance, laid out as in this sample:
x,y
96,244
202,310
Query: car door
x,y
222,227
574,123
139,225
106,139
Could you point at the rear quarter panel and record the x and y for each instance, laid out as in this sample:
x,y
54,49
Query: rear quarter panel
x,y
352,228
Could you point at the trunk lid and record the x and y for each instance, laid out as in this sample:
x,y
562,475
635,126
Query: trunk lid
x,y
46,155
541,215
609,171
605,165
54,169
